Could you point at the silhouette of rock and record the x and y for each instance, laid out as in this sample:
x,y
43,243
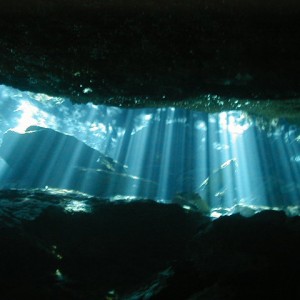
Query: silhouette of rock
x,y
141,250
63,254
43,157
156,53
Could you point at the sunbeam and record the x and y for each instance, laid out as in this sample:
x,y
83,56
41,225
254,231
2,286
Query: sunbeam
x,y
226,159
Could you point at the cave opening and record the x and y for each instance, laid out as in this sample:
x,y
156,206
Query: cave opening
x,y
217,163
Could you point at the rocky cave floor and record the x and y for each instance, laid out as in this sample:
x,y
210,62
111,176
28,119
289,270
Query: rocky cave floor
x,y
65,245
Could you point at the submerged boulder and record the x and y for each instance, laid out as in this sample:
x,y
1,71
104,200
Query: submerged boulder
x,y
63,252
193,201
61,245
239,258
43,157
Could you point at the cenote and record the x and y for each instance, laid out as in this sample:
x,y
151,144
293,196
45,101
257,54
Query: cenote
x,y
149,150
87,186
227,160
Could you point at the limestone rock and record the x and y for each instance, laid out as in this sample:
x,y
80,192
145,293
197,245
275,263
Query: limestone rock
x,y
203,55
43,157
79,255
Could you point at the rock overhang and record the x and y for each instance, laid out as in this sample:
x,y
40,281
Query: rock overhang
x,y
150,53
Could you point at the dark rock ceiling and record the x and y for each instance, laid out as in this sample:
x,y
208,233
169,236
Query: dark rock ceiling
x,y
206,55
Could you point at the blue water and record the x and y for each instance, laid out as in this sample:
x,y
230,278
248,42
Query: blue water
x,y
229,159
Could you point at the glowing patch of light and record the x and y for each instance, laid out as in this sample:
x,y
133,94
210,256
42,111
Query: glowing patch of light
x,y
235,122
77,206
148,117
200,125
98,127
55,253
295,158
59,276
44,98
30,115
212,118
186,207
125,198
141,121
220,147
215,215
236,128
87,90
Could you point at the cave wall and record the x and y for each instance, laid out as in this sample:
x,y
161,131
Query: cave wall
x,y
155,53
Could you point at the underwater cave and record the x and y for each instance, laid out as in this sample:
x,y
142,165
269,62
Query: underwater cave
x,y
149,149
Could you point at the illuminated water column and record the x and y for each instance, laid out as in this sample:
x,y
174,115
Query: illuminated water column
x,y
294,156
201,148
75,154
153,159
122,146
131,150
188,152
286,173
227,195
167,136
224,158
248,176
4,169
212,183
253,165
52,164
138,156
